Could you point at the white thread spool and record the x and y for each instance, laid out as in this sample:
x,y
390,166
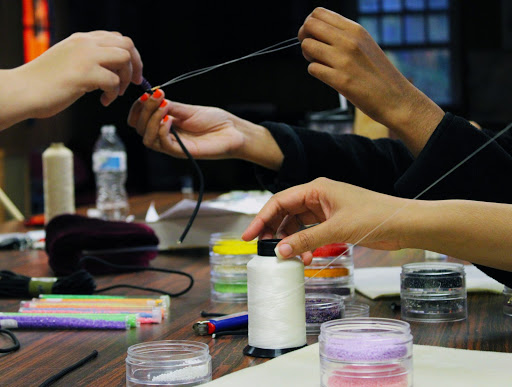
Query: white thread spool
x,y
276,303
58,182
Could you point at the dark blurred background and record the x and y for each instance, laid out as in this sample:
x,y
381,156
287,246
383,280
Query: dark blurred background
x,y
464,64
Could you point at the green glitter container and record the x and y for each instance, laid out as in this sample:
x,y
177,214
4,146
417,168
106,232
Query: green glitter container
x,y
228,267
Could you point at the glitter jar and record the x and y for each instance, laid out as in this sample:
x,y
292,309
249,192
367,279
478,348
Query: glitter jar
x,y
356,309
507,302
322,307
168,363
331,271
433,292
228,267
366,352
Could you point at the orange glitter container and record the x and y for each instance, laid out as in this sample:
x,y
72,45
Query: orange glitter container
x,y
331,271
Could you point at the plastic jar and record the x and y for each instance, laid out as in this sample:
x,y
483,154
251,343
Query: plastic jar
x,y
356,309
320,308
168,363
228,267
366,352
331,271
433,292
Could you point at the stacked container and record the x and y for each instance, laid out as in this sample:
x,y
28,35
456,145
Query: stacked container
x,y
228,267
332,271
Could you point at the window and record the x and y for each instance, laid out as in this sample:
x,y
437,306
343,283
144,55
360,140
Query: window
x,y
416,35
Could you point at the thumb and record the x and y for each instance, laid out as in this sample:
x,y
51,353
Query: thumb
x,y
305,240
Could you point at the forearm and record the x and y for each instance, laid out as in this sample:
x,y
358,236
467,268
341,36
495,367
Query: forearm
x,y
259,146
478,232
13,102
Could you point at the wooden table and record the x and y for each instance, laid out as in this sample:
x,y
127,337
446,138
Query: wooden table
x,y
43,353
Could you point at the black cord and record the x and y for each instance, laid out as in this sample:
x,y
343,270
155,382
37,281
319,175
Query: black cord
x,y
65,371
201,186
140,268
16,344
212,314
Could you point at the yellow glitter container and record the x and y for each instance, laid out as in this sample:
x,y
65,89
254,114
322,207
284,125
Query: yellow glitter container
x,y
228,266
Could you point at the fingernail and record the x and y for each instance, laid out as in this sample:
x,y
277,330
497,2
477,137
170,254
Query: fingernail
x,y
283,251
166,118
157,94
164,102
144,97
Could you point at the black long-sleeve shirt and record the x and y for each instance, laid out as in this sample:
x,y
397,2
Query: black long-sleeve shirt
x,y
387,166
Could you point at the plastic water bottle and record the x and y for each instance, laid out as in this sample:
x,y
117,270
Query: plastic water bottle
x,y
109,165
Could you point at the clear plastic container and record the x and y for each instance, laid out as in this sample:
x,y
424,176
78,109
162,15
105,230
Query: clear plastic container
x,y
366,352
331,271
229,256
433,292
168,363
507,302
320,308
356,309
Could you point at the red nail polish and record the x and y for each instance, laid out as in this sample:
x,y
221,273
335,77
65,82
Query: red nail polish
x,y
157,94
144,97
164,102
166,118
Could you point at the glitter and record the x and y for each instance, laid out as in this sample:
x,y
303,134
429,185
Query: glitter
x,y
188,374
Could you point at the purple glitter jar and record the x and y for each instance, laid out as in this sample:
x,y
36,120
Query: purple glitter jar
x,y
366,352
321,308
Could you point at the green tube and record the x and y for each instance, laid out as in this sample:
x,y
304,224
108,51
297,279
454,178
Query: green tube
x,y
130,319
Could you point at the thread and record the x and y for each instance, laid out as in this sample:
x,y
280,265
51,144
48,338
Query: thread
x,y
58,182
277,317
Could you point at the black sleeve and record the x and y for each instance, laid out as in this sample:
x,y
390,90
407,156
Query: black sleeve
x,y
373,164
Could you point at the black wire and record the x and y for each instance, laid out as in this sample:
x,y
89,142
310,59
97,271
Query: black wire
x,y
140,268
16,343
65,371
212,314
201,185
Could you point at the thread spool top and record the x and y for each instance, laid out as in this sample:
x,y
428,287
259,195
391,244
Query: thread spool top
x,y
266,247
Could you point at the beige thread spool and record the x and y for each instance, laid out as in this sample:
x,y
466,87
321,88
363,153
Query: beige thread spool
x,y
58,182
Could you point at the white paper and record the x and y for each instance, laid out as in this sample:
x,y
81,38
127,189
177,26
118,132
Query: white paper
x,y
241,202
433,366
374,282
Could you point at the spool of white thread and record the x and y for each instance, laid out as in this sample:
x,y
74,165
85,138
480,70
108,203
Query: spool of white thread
x,y
58,182
276,303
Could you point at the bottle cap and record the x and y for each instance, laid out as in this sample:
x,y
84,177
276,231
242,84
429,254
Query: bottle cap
x,y
266,247
105,129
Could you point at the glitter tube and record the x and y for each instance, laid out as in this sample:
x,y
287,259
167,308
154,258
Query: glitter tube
x,y
133,320
154,313
52,322
157,300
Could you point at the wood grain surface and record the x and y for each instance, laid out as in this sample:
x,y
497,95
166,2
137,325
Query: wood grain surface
x,y
45,352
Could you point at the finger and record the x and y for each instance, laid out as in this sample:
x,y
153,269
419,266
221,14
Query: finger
x,y
316,51
330,77
153,125
292,224
182,111
306,240
136,109
118,40
107,81
119,60
332,18
149,108
320,30
307,257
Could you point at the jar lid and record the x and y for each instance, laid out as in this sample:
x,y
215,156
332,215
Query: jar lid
x,y
266,247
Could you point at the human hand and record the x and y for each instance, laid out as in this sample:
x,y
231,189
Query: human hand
x,y
79,64
344,213
207,132
344,56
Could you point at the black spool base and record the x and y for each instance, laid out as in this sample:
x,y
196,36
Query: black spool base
x,y
249,350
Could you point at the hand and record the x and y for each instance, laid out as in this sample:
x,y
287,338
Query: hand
x,y
207,132
344,213
344,56
81,63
